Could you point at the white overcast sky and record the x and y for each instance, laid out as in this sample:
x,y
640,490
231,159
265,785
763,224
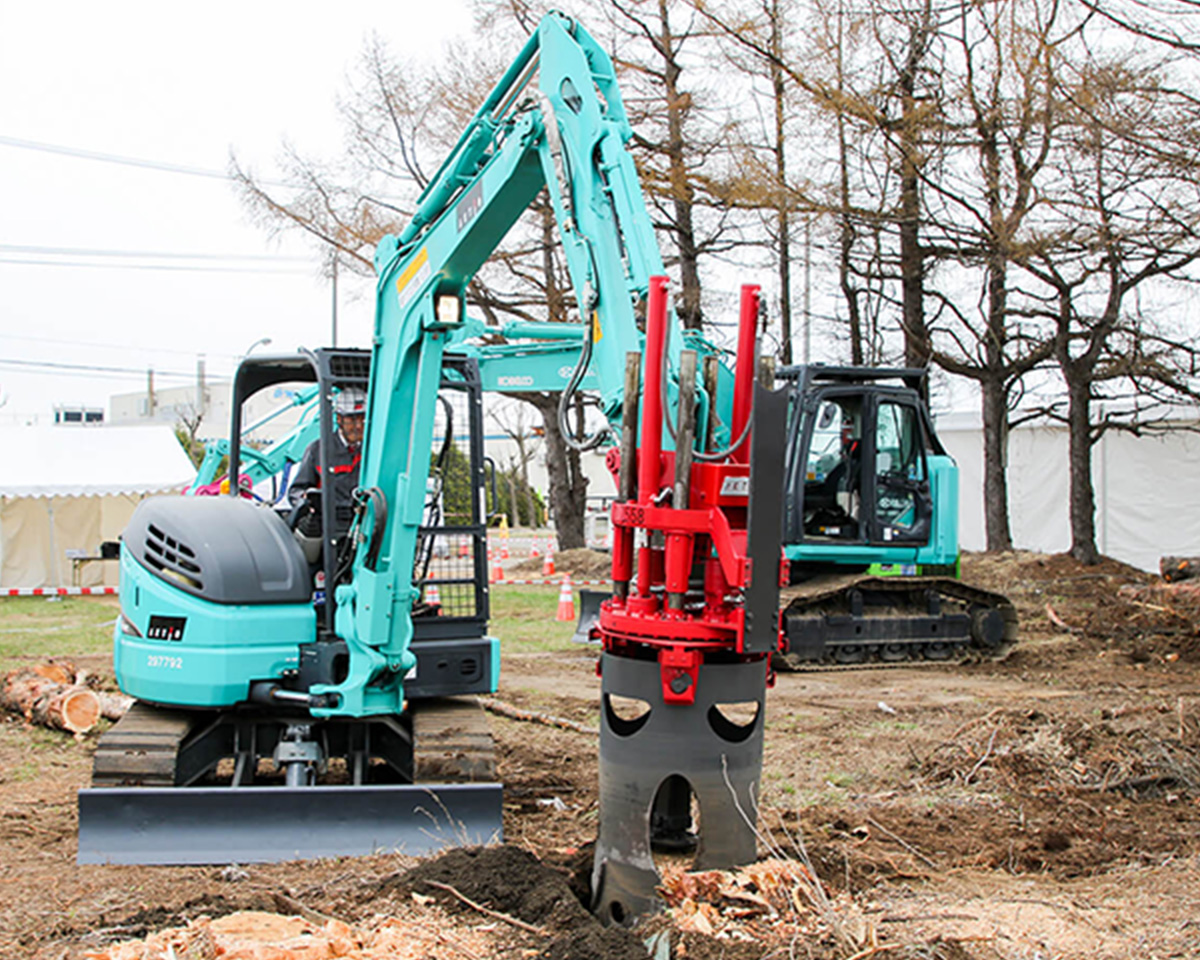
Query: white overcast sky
x,y
175,84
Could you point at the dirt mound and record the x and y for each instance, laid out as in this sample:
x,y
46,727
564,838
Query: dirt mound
x,y
1099,606
581,564
513,881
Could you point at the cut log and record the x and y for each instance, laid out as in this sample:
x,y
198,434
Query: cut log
x,y
42,701
60,671
1174,569
113,706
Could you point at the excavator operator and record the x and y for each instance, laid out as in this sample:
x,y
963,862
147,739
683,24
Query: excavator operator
x,y
350,406
833,500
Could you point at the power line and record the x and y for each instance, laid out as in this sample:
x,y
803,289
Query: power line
x,y
89,375
115,346
80,154
93,368
185,268
153,254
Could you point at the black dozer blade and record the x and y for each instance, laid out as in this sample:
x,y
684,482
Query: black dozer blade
x,y
220,825
589,614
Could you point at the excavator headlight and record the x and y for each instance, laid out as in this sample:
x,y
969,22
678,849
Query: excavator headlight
x,y
449,309
129,628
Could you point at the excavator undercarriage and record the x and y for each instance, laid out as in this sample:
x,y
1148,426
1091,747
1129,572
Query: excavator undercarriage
x,y
850,621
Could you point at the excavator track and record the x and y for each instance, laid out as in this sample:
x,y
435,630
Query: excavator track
x,y
452,742
856,623
142,748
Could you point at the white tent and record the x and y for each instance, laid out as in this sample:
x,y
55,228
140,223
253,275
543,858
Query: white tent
x,y
1146,501
64,490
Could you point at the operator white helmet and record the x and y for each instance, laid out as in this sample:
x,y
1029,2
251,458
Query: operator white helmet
x,y
350,401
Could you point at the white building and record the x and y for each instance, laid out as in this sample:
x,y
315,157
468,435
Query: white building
x,y
209,401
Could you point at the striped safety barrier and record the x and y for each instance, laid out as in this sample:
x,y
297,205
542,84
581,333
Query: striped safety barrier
x,y
112,591
58,592
544,581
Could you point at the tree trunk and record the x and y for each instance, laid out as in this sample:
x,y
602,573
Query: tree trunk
x,y
515,519
47,703
846,235
782,220
568,485
912,257
682,195
995,465
1083,496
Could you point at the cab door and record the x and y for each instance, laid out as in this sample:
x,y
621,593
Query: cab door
x,y
902,508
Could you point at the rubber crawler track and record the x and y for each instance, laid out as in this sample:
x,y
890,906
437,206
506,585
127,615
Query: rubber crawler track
x,y
821,593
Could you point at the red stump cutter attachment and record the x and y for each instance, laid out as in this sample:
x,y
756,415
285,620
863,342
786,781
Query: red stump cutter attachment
x,y
689,628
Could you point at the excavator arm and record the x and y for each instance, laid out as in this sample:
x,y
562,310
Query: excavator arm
x,y
556,121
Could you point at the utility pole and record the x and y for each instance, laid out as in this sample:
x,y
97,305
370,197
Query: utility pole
x,y
807,288
201,386
333,273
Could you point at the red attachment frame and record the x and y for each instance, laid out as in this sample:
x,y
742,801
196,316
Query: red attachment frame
x,y
702,541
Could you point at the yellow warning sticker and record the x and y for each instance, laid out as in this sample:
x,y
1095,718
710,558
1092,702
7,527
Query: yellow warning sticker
x,y
597,333
413,276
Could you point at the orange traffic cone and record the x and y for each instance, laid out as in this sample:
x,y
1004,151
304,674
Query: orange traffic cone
x,y
566,603
548,562
503,549
534,551
497,568
432,597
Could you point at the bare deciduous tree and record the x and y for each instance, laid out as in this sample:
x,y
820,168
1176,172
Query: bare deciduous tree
x,y
1121,239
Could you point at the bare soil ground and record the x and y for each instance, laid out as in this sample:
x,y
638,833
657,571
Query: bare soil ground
x,y
1047,806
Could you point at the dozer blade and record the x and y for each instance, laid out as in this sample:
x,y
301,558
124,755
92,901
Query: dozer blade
x,y
214,825
589,614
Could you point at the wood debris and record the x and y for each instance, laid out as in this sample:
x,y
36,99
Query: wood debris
x,y
256,935
724,903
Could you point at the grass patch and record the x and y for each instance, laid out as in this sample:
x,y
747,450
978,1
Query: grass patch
x,y
901,725
33,629
523,619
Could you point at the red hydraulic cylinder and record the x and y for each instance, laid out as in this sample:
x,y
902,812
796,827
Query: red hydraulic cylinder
x,y
743,380
650,456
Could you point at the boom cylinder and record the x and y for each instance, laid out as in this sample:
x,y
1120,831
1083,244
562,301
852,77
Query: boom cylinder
x,y
650,460
743,384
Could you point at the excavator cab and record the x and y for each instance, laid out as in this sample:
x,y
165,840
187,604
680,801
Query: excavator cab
x,y
871,529
868,480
